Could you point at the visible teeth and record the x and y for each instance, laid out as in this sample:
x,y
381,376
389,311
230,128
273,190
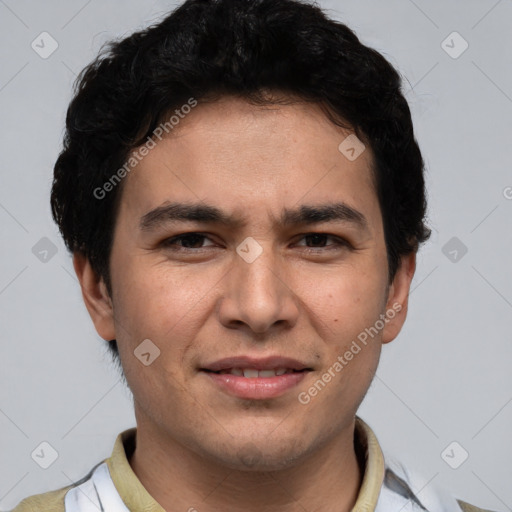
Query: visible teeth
x,y
267,373
251,373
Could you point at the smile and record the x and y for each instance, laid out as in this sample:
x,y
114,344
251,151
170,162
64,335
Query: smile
x,y
253,384
252,373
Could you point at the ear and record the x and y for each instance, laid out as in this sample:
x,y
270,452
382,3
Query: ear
x,y
398,298
96,297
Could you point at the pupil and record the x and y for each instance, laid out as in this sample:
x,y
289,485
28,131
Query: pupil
x,y
317,239
192,240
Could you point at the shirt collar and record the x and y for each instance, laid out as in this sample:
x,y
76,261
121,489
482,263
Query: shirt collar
x,y
136,497
129,487
374,468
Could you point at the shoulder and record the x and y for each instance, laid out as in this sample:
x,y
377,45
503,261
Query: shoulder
x,y
466,507
49,501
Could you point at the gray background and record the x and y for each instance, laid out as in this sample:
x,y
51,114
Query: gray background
x,y
446,378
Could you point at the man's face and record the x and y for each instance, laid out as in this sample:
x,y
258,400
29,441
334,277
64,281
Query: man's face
x,y
199,300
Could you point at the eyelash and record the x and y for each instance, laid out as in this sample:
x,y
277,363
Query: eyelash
x,y
169,242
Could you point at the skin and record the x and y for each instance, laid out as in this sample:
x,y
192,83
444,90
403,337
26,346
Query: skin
x,y
196,445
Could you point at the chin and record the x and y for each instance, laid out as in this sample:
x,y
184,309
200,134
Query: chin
x,y
260,456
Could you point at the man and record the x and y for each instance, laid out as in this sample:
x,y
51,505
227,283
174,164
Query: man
x,y
243,196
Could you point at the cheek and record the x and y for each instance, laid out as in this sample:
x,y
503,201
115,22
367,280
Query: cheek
x,y
350,306
166,305
349,303
157,300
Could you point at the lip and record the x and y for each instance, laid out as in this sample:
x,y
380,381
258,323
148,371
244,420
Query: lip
x,y
256,363
258,388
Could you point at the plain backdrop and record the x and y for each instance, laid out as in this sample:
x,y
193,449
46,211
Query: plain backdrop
x,y
446,379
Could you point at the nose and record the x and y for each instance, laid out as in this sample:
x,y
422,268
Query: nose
x,y
258,296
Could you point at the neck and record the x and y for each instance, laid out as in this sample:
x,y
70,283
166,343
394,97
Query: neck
x,y
179,479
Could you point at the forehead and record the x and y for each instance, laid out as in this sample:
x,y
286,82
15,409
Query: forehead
x,y
253,158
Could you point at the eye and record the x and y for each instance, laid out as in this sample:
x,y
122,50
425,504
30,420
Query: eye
x,y
320,240
194,242
186,241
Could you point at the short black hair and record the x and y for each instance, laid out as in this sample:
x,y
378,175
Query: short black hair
x,y
258,50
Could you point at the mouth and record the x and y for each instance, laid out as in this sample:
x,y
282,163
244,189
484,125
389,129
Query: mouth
x,y
252,373
256,379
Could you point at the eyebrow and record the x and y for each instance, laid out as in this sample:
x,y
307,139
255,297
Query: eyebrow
x,y
203,213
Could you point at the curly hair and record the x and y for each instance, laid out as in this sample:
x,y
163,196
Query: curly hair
x,y
207,49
